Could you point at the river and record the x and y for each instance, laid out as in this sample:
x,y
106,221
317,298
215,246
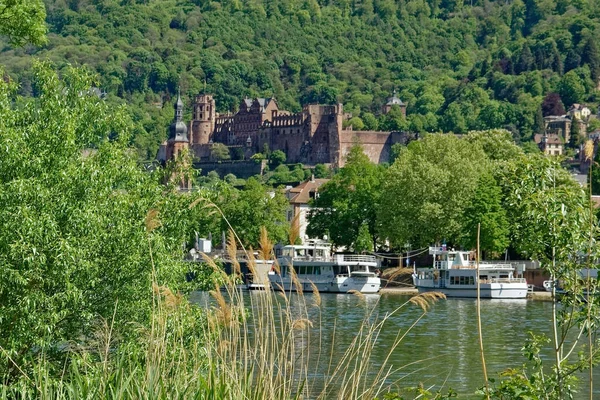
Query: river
x,y
441,349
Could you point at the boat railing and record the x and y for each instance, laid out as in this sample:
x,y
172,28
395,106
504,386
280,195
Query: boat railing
x,y
310,258
355,258
503,280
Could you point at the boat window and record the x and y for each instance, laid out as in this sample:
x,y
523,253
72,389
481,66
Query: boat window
x,y
471,280
462,280
288,252
451,257
465,257
309,270
317,270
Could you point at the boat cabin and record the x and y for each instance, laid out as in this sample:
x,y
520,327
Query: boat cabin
x,y
444,258
313,250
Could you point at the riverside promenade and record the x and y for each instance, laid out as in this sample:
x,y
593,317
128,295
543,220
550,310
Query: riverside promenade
x,y
411,291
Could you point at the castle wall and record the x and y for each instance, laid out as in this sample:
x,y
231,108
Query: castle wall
x,y
241,169
310,137
377,145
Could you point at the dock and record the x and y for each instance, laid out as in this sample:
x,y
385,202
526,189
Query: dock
x,y
411,291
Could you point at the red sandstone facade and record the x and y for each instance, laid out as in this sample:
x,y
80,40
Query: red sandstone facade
x,y
312,136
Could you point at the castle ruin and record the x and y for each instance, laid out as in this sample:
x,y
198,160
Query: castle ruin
x,y
313,136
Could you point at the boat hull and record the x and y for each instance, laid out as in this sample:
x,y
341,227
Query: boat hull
x,y
486,290
338,285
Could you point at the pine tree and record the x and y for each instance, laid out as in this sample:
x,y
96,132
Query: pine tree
x,y
538,124
575,135
572,60
526,60
591,57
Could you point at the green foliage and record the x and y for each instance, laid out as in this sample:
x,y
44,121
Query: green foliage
x,y
532,380
255,206
364,242
349,203
277,157
571,88
22,21
486,211
458,66
548,210
429,185
322,171
219,152
84,230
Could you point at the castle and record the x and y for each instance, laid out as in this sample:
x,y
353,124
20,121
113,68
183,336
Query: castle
x,y
313,136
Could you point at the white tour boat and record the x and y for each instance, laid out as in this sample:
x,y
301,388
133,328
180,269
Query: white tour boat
x,y
313,263
455,275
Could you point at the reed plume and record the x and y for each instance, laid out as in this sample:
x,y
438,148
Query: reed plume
x,y
588,150
316,294
265,251
427,299
152,220
357,294
232,252
294,232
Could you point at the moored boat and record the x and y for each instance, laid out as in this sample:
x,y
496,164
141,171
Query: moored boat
x,y
314,266
454,274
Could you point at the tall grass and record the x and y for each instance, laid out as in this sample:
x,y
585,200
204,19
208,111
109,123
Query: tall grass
x,y
246,346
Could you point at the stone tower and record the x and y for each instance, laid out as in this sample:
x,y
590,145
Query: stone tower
x,y
394,101
178,138
203,120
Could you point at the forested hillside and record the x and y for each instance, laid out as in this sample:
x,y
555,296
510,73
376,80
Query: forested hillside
x,y
460,65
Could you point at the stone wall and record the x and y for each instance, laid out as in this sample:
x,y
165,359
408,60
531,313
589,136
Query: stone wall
x,y
241,169
377,145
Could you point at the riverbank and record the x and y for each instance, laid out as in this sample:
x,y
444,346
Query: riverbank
x,y
411,291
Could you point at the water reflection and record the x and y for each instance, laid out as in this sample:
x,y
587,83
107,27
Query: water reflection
x,y
439,349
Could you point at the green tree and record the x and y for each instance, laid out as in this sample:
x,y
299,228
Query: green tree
x,y
497,144
539,126
84,231
575,138
277,157
255,206
526,60
551,221
23,21
591,56
364,241
429,186
347,202
219,152
370,122
571,88
322,171
486,211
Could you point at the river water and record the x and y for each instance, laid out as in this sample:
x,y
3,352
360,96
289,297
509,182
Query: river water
x,y
440,349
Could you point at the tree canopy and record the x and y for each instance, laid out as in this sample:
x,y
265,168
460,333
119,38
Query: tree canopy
x,y
346,208
84,230
23,21
458,67
427,189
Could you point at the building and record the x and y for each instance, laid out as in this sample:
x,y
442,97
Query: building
x,y
394,101
550,143
299,198
558,125
579,111
313,136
